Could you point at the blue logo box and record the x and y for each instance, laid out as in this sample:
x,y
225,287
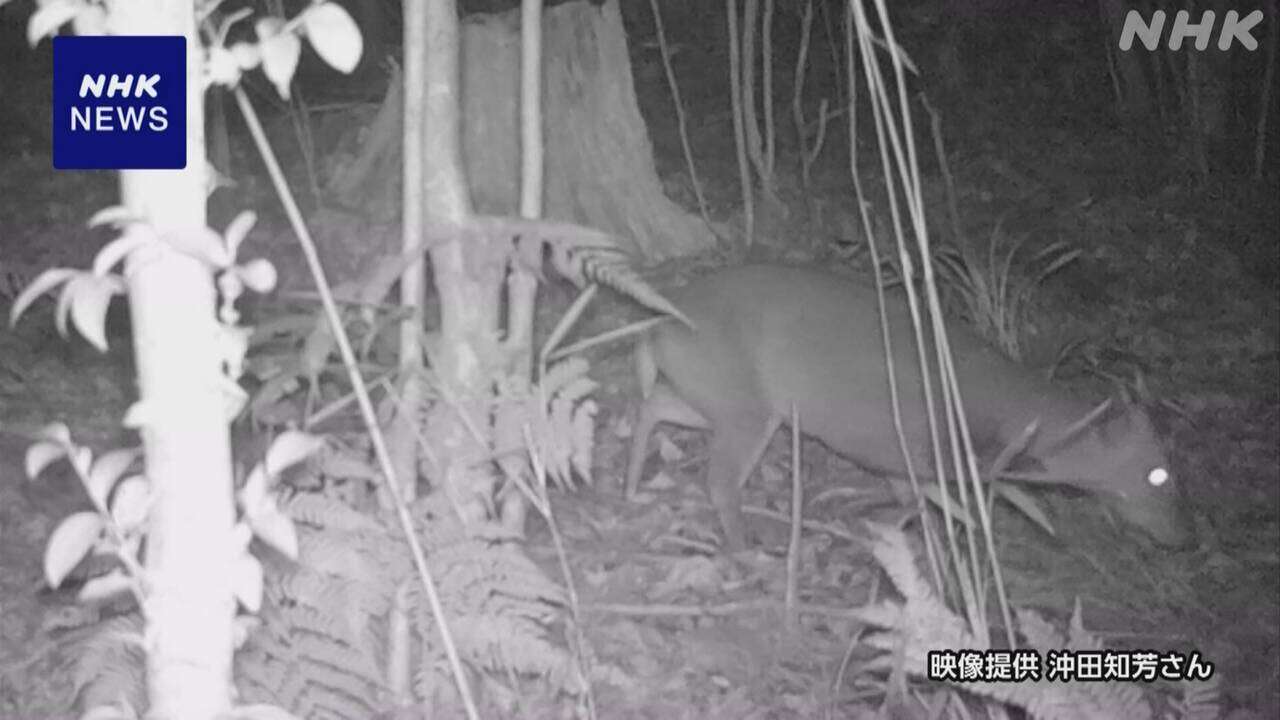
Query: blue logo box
x,y
119,103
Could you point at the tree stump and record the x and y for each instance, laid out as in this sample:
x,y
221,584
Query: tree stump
x,y
599,160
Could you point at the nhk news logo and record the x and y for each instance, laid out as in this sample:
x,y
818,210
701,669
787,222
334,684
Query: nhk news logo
x,y
119,103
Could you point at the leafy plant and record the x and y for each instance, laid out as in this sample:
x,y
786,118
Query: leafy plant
x,y
995,292
322,647
907,632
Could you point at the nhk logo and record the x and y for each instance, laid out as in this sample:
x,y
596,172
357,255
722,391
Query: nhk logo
x,y
1235,29
105,117
119,103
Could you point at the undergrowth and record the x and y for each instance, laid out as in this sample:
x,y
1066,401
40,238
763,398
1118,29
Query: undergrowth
x,y
321,643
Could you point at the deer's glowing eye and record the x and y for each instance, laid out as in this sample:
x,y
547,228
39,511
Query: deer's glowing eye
x,y
1157,477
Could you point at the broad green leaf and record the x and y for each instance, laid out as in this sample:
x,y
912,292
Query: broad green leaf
x,y
246,582
50,16
70,543
107,470
259,275
132,503
238,230
275,529
280,53
105,587
89,307
41,455
120,248
334,35
43,283
290,448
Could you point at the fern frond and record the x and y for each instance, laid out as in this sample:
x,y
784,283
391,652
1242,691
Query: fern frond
x,y
321,512
342,555
922,623
501,607
313,663
110,664
508,645
310,691
322,645
583,255
1039,633
556,429
1200,700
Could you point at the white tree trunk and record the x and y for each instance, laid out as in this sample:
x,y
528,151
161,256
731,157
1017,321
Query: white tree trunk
x,y
188,458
